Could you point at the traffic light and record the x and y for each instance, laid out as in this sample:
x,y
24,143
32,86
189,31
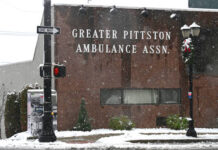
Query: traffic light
x,y
41,71
59,70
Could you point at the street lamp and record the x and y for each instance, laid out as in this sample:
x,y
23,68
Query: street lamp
x,y
190,33
185,31
195,29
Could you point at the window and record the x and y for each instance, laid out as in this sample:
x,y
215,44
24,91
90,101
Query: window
x,y
140,96
110,96
168,96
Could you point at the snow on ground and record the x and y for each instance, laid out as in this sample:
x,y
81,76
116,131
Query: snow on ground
x,y
19,141
137,130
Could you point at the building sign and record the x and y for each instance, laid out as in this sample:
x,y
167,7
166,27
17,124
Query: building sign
x,y
113,34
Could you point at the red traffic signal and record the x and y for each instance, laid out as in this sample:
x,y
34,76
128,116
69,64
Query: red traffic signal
x,y
59,71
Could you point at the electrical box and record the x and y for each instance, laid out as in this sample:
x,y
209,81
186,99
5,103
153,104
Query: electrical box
x,y
35,109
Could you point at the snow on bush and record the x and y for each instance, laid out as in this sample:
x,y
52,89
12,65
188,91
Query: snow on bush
x,y
121,123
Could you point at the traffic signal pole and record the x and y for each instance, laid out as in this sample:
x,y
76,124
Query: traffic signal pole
x,y
47,134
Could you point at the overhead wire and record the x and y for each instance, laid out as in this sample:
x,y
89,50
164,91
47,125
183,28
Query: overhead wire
x,y
16,33
17,8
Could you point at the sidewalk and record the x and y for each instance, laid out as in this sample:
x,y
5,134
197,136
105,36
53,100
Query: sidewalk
x,y
105,139
95,138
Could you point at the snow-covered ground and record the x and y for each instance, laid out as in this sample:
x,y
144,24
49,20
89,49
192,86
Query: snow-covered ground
x,y
119,140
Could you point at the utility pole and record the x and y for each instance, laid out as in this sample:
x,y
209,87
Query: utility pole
x,y
47,134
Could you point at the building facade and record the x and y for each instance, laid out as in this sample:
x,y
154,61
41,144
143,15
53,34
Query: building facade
x,y
124,63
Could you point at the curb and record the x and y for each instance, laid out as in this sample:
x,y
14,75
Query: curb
x,y
173,140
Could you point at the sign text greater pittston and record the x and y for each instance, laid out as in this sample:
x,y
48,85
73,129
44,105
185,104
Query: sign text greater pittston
x,y
129,35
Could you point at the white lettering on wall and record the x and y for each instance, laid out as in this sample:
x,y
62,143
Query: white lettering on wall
x,y
95,34
155,49
124,35
101,48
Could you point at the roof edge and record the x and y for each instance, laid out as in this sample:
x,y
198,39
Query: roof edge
x,y
149,8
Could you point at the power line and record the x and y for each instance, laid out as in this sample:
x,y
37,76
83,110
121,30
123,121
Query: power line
x,y
15,33
18,8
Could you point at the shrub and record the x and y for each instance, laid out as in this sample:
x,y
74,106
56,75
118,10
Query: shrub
x,y
23,108
83,123
121,123
176,122
12,115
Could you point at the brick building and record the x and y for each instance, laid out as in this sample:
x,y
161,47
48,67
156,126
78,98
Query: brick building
x,y
123,63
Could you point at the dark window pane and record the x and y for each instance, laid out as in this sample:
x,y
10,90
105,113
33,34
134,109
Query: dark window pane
x,y
110,96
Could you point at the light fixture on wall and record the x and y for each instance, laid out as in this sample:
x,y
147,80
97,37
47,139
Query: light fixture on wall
x,y
144,12
113,10
82,10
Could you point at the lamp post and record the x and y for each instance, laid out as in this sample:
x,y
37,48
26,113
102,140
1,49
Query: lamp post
x,y
190,33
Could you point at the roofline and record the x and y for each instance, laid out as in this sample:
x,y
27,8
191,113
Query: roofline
x,y
15,63
149,8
